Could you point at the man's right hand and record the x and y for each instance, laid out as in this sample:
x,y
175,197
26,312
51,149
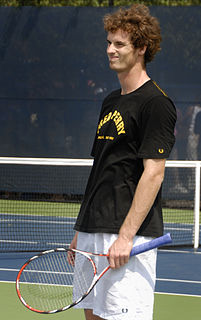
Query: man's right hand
x,y
73,245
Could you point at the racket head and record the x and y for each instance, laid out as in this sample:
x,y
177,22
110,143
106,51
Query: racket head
x,y
45,283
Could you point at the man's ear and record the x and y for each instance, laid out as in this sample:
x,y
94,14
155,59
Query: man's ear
x,y
142,50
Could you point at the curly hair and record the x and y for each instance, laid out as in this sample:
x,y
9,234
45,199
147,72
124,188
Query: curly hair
x,y
142,27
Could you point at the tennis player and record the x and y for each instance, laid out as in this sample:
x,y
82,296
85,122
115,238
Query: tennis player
x,y
122,203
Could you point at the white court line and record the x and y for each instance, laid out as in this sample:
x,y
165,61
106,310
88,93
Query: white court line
x,y
179,294
179,228
179,251
164,293
158,279
56,244
15,241
34,215
37,221
179,280
44,284
36,271
6,269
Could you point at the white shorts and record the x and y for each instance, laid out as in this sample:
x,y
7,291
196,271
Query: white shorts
x,y
126,293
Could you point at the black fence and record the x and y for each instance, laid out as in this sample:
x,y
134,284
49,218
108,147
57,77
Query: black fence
x,y
54,75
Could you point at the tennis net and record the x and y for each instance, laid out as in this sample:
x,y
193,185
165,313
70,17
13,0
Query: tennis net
x,y
40,200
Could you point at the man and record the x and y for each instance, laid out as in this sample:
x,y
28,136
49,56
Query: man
x,y
122,203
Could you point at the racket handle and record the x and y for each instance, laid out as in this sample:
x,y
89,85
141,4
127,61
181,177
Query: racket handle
x,y
157,242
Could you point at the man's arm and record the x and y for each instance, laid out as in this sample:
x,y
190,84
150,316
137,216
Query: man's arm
x,y
145,194
73,244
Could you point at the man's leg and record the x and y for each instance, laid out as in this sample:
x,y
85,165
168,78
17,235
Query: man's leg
x,y
90,316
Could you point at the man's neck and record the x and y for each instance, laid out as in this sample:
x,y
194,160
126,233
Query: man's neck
x,y
133,80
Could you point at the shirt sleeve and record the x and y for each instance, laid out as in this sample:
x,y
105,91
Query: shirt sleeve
x,y
157,126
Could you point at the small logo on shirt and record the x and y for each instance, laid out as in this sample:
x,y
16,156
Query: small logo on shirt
x,y
161,150
124,310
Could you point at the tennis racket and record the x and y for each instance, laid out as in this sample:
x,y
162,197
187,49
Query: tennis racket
x,y
45,282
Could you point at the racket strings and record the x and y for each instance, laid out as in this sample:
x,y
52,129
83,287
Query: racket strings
x,y
47,282
84,276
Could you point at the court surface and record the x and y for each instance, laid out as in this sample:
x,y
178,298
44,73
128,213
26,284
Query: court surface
x,y
27,232
178,287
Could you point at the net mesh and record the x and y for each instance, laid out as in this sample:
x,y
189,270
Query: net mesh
x,y
40,200
39,204
178,204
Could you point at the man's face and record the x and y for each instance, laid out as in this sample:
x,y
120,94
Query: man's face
x,y
121,53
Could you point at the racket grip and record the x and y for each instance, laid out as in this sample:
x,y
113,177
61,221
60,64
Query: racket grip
x,y
155,243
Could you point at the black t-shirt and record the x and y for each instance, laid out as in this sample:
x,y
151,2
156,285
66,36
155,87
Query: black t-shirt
x,y
131,127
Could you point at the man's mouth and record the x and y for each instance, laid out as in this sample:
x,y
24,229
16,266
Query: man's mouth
x,y
113,58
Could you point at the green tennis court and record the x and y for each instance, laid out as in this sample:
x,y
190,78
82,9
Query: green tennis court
x,y
39,221
166,307
46,208
56,215
68,209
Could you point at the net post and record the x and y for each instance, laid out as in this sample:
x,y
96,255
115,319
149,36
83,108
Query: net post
x,y
197,205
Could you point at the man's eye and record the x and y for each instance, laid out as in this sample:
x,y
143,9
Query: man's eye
x,y
119,44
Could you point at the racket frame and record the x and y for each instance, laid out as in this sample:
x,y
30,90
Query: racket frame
x,y
88,255
166,239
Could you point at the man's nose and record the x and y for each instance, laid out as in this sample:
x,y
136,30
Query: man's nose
x,y
110,48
